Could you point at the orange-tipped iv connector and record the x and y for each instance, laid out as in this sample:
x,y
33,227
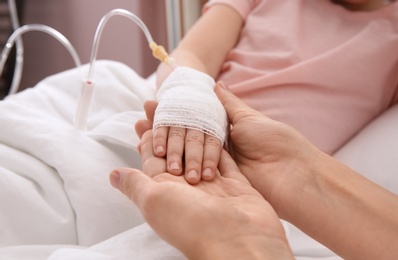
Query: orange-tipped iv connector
x,y
160,53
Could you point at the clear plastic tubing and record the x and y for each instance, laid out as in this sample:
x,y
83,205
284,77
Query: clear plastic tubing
x,y
100,28
35,27
16,80
87,90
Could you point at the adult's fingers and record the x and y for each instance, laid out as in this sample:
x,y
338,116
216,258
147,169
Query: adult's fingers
x,y
229,169
150,108
142,126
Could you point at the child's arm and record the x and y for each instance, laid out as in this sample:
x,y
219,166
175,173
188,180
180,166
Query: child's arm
x,y
204,48
207,43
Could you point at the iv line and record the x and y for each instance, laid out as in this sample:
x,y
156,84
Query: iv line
x,y
158,52
84,101
35,27
18,68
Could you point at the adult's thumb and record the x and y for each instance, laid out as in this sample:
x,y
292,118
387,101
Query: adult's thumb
x,y
132,183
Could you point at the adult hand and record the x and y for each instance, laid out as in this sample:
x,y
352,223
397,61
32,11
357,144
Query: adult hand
x,y
201,152
318,194
224,218
269,153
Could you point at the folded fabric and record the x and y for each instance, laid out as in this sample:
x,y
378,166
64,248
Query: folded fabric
x,y
54,179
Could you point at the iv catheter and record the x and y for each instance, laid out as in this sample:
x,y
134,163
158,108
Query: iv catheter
x,y
87,90
33,27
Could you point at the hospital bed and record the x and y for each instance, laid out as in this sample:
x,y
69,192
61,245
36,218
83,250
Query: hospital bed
x,y
56,200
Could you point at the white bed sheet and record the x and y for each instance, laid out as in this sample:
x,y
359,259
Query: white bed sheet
x,y
54,179
55,196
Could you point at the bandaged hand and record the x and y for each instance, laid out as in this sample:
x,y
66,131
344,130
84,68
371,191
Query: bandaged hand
x,y
189,126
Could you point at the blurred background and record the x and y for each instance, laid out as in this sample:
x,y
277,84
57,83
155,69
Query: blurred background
x,y
122,40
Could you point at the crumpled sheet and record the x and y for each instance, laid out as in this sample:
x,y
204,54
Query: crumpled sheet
x,y
54,179
55,198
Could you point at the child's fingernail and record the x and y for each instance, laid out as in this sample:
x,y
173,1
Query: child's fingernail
x,y
192,174
159,149
207,172
175,166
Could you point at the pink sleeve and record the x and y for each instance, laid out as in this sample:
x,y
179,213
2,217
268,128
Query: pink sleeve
x,y
242,7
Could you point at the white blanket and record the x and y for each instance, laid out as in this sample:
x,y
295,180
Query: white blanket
x,y
54,186
55,197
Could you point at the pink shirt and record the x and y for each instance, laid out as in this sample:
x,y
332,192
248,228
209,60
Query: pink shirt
x,y
314,65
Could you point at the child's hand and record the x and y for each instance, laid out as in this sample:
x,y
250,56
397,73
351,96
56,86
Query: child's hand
x,y
202,152
189,125
188,151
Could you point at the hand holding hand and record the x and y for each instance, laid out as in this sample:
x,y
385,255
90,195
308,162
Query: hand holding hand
x,y
201,152
272,155
222,218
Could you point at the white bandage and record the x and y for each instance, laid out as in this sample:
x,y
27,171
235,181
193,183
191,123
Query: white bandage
x,y
187,99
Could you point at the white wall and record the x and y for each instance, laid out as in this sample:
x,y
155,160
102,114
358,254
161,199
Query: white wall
x,y
78,19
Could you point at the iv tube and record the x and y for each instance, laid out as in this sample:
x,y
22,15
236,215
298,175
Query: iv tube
x,y
86,93
87,90
100,28
19,49
158,51
36,27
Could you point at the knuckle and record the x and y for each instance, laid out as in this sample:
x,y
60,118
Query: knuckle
x,y
196,138
149,201
177,133
158,141
126,188
212,141
160,132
